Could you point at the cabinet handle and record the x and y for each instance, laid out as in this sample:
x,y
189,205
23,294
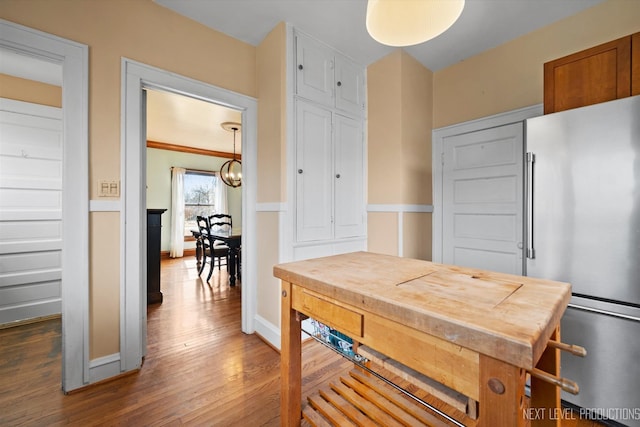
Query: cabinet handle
x,y
337,175
339,83
299,170
300,67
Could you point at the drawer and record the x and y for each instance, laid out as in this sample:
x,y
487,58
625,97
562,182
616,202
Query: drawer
x,y
328,312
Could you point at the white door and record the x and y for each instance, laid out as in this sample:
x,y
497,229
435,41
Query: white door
x,y
483,199
314,193
348,178
30,210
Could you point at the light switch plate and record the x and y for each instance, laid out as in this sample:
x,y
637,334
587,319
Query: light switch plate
x,y
108,188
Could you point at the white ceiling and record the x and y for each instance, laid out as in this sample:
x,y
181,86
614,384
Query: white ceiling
x,y
180,120
484,24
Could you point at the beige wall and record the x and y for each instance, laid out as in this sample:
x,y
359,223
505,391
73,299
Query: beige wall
x,y
400,92
104,313
146,32
268,293
510,76
271,61
30,91
384,129
383,233
416,239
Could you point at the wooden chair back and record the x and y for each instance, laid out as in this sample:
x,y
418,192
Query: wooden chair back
x,y
220,222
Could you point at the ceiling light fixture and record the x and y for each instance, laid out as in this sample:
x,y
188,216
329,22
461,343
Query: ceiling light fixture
x,y
410,22
231,170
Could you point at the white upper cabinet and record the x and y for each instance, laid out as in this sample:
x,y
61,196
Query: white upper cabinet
x,y
325,76
314,70
349,83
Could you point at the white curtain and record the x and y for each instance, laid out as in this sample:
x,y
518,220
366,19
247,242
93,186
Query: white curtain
x,y
222,206
177,213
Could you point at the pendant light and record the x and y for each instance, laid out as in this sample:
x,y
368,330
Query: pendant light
x,y
410,22
231,170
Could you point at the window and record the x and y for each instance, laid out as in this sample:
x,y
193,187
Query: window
x,y
199,198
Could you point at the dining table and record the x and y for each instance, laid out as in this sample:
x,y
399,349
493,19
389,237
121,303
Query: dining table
x,y
232,240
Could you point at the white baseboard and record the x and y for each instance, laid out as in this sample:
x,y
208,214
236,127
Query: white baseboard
x,y
267,330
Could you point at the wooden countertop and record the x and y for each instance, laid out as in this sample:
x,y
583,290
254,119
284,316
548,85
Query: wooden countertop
x,y
504,316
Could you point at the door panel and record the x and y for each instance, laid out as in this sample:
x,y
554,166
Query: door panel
x,y
349,215
313,173
349,86
30,213
482,199
314,70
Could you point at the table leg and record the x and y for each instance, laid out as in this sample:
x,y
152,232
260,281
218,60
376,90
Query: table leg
x,y
501,394
198,252
233,253
290,362
545,397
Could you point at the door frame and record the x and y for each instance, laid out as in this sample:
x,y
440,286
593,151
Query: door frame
x,y
438,138
74,58
133,302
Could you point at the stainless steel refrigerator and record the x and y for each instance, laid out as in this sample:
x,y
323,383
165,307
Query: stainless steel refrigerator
x,y
582,221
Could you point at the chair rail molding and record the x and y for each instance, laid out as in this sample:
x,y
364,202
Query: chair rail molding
x,y
105,205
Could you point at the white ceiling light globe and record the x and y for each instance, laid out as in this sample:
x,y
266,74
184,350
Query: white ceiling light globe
x,y
410,22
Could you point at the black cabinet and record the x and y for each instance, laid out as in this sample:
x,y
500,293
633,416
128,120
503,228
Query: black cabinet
x,y
154,232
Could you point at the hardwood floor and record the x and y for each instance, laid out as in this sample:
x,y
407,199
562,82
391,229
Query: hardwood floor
x,y
200,368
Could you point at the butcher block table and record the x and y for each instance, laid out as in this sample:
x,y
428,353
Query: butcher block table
x,y
477,332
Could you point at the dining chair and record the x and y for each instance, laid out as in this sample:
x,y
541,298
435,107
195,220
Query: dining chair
x,y
224,223
209,251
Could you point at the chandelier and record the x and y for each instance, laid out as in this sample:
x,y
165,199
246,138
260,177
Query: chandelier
x,y
231,170
410,22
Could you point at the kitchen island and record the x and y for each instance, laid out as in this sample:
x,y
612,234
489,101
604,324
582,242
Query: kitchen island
x,y
475,332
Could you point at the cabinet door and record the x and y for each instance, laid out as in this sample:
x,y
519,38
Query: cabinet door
x,y
598,74
349,80
314,70
313,173
349,178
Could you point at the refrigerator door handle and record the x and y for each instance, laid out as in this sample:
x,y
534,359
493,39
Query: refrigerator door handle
x,y
531,159
604,312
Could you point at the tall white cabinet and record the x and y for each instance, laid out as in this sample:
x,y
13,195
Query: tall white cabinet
x,y
329,100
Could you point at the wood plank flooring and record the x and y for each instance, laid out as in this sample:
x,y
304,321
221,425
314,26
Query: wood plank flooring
x,y
200,368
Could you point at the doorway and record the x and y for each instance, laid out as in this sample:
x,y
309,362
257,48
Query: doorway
x,y
137,78
190,134
74,59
